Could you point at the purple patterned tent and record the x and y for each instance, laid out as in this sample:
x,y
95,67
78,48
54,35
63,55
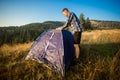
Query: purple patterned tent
x,y
49,48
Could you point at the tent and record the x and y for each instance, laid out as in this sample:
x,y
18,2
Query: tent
x,y
54,48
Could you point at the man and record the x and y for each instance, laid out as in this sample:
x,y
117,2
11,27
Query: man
x,y
73,25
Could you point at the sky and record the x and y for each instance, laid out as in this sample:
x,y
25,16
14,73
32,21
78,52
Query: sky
x,y
21,12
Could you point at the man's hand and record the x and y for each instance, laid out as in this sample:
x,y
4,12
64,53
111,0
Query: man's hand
x,y
59,28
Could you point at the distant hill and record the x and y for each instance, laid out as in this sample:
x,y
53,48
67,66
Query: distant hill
x,y
96,24
54,22
48,24
99,24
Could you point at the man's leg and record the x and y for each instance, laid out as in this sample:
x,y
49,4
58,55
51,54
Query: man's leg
x,y
77,50
77,39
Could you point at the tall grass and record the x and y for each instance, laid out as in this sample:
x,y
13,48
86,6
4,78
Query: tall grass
x,y
93,63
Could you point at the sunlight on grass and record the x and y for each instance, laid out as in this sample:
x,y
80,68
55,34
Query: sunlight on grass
x,y
101,36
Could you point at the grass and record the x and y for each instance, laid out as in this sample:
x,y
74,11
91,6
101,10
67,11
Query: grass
x,y
99,60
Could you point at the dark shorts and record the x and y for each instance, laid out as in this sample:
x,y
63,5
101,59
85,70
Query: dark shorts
x,y
77,37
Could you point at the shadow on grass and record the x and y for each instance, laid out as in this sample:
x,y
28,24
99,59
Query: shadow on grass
x,y
93,57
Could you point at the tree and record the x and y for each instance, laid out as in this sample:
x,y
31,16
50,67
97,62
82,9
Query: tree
x,y
82,21
88,24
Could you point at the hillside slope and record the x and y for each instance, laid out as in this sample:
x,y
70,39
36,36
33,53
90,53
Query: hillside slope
x,y
97,24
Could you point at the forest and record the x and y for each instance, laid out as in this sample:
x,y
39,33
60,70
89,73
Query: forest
x,y
25,33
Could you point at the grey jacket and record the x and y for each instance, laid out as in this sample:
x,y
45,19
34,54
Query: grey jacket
x,y
73,22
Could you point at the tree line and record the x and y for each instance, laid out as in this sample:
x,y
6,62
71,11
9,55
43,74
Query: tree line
x,y
26,33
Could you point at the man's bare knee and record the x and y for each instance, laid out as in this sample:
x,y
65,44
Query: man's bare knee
x,y
76,45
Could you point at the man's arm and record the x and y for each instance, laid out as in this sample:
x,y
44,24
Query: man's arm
x,y
59,28
68,22
64,26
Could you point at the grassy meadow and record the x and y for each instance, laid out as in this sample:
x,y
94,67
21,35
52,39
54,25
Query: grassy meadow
x,y
99,60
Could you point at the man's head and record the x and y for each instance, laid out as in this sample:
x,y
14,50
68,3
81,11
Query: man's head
x,y
65,12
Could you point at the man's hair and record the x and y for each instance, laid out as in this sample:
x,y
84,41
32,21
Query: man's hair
x,y
65,9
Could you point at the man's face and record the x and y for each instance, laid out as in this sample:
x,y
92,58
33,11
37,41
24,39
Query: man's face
x,y
65,13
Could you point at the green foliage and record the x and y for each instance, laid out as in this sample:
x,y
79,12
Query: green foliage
x,y
25,33
82,21
86,24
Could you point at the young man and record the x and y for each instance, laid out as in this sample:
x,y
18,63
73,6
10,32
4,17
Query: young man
x,y
73,25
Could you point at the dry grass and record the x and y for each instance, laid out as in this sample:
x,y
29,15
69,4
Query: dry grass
x,y
92,66
7,49
101,36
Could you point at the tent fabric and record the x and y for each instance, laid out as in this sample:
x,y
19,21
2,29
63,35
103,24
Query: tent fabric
x,y
53,48
68,42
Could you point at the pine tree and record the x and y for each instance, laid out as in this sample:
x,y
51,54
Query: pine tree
x,y
82,21
88,24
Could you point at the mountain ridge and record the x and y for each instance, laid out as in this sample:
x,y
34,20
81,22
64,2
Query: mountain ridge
x,y
94,23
